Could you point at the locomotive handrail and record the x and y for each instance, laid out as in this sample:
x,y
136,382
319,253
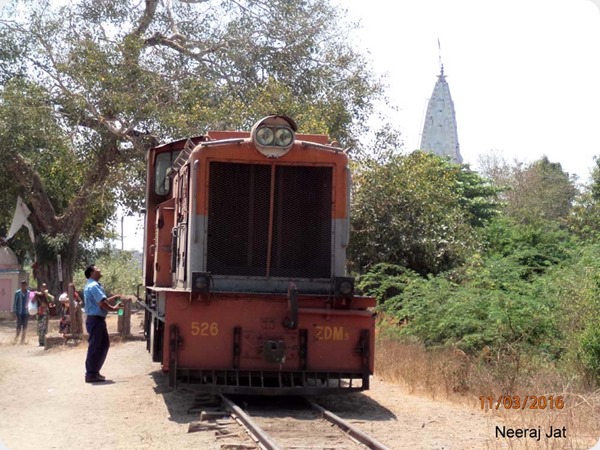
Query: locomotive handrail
x,y
223,142
291,320
144,305
137,292
320,146
150,310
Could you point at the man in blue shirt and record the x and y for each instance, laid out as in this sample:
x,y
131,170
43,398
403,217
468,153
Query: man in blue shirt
x,y
96,306
20,309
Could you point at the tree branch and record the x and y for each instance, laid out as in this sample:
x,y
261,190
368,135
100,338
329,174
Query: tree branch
x,y
29,180
147,18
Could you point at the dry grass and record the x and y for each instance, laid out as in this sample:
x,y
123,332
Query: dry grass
x,y
450,375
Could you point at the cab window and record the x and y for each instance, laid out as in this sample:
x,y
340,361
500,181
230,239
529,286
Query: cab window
x,y
162,164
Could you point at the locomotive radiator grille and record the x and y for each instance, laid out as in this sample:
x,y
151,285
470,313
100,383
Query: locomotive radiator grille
x,y
238,218
269,220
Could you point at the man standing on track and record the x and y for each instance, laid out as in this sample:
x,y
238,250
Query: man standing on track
x,y
97,306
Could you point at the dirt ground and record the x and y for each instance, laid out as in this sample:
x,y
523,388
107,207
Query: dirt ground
x,y
45,404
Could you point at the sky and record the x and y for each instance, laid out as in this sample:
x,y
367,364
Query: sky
x,y
524,75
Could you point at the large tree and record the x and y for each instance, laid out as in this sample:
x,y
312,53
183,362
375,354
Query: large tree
x,y
533,193
88,88
417,211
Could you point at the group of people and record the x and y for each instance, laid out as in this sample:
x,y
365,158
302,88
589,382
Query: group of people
x,y
37,303
28,303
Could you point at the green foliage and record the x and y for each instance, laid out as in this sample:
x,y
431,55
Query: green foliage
x,y
575,287
386,282
29,127
417,211
477,196
495,309
121,272
502,299
531,298
533,248
585,218
47,247
527,289
590,350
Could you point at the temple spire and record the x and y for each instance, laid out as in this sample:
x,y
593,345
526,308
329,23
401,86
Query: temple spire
x,y
440,134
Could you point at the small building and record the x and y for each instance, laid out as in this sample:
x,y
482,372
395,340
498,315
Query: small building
x,y
11,275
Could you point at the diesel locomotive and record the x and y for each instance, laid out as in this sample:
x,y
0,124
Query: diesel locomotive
x,y
244,264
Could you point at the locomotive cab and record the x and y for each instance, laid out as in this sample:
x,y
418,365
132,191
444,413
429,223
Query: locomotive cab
x,y
246,290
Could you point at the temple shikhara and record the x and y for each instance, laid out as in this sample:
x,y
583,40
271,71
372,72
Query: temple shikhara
x,y
439,129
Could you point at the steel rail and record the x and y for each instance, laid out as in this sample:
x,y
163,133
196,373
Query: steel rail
x,y
258,432
351,430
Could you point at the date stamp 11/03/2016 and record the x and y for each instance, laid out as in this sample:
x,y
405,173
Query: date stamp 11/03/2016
x,y
520,402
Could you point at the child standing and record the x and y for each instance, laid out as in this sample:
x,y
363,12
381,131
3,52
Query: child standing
x,y
43,311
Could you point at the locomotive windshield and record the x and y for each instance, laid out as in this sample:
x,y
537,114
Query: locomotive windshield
x,y
162,181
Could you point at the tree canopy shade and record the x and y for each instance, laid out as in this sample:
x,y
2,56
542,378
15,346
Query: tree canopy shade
x,y
89,87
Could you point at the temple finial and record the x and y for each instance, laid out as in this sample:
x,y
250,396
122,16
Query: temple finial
x,y
440,58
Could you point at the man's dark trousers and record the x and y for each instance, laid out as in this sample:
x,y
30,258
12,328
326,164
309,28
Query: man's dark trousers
x,y
98,344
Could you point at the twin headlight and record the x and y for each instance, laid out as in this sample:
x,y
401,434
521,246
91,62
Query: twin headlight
x,y
274,135
277,136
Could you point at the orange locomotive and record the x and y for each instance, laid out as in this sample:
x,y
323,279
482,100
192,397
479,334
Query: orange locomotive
x,y
244,268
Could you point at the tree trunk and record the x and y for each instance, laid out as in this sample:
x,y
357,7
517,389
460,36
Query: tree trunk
x,y
64,229
48,273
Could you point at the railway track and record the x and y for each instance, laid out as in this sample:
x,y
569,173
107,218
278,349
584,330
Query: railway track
x,y
296,423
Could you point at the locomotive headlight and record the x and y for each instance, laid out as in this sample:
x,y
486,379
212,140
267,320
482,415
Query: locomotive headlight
x,y
273,136
264,136
283,137
200,282
344,286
